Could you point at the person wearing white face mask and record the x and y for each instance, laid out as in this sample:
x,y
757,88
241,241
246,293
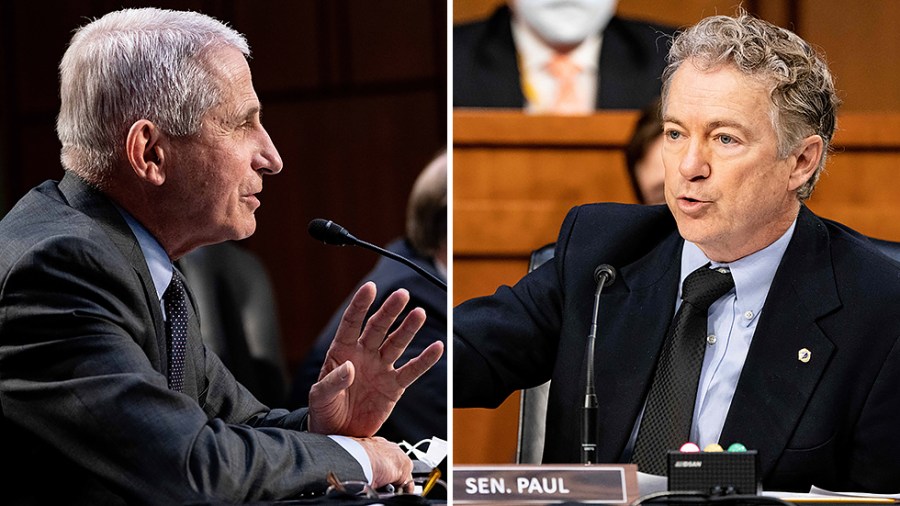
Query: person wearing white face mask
x,y
558,57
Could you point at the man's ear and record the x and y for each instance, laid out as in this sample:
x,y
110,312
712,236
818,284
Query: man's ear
x,y
145,152
807,155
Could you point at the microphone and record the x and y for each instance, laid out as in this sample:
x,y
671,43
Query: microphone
x,y
604,275
330,232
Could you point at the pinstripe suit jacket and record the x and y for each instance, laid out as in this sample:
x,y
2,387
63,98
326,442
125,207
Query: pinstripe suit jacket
x,y
83,378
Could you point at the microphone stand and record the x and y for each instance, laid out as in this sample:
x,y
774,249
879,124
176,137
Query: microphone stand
x,y
390,254
330,232
589,409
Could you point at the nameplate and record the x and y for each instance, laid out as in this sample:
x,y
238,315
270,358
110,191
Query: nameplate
x,y
545,484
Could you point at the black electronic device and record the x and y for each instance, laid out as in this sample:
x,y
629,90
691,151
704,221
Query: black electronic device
x,y
715,473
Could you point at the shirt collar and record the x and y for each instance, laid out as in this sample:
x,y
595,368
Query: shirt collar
x,y
535,55
752,274
158,261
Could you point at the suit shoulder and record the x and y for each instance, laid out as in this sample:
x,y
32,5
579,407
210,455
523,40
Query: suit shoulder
x,y
640,29
871,259
43,230
471,34
620,220
466,35
613,233
38,216
646,41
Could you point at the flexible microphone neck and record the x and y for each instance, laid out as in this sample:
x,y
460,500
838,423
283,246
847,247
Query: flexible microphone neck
x,y
604,275
330,232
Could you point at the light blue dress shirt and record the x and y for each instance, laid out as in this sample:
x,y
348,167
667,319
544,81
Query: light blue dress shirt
x,y
161,270
731,324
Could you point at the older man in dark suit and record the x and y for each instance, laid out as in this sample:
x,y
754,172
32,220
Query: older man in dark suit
x,y
107,391
784,335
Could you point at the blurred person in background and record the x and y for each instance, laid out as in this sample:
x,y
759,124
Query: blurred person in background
x,y
558,57
421,412
643,157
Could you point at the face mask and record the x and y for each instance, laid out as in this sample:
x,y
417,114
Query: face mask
x,y
565,22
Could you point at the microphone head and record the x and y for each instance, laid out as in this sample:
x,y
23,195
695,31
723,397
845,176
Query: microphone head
x,y
330,232
606,271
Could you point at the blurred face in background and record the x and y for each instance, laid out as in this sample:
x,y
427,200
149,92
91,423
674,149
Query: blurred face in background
x,y
651,173
564,24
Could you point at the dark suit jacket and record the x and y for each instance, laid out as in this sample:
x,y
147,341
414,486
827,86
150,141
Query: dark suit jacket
x,y
829,422
422,411
486,70
86,414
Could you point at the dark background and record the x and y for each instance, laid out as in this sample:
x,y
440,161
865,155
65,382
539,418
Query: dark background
x,y
354,94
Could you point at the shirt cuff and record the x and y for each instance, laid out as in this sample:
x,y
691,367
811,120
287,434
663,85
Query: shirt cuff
x,y
357,452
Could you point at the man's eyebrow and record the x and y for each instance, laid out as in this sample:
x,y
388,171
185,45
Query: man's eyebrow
x,y
256,110
670,119
723,123
726,124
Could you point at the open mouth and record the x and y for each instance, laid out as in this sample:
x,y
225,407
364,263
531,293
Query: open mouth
x,y
692,205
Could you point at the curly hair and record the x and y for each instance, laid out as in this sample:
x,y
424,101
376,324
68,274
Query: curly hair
x,y
803,95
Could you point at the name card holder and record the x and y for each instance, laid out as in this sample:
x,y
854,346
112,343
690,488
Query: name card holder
x,y
545,484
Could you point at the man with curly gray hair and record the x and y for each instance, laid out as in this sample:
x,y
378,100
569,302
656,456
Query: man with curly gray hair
x,y
106,388
737,314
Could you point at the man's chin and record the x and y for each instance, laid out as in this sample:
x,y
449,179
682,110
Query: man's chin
x,y
238,231
246,231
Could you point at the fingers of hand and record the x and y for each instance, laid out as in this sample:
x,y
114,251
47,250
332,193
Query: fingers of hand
x,y
416,367
389,463
338,379
351,322
394,346
378,325
324,396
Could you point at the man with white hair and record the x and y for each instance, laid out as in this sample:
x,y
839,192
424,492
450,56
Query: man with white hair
x,y
106,389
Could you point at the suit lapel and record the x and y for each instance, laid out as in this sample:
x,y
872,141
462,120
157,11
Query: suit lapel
x,y
634,316
775,385
93,203
195,355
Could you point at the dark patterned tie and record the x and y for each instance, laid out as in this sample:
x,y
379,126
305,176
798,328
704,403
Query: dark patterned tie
x,y
670,404
175,301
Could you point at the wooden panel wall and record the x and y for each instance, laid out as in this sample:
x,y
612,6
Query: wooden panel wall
x,y
354,94
515,176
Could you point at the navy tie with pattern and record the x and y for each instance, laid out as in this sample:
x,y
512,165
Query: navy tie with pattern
x,y
175,301
666,423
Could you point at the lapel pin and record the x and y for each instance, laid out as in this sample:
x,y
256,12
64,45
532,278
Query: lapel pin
x,y
804,355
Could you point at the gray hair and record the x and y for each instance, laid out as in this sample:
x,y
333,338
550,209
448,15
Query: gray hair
x,y
130,65
803,96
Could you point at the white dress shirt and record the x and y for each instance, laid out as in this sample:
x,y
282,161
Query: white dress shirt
x,y
539,86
